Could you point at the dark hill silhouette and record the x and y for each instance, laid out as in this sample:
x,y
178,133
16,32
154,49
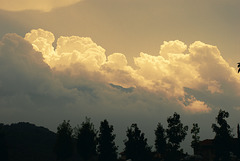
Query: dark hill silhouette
x,y
28,142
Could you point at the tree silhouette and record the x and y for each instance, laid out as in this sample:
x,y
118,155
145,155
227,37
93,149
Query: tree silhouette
x,y
3,145
176,133
86,140
195,136
223,137
136,147
160,141
64,144
238,141
106,147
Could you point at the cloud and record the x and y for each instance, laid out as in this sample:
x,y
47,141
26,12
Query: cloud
x,y
117,71
172,47
202,68
70,51
41,5
195,106
74,49
26,80
42,42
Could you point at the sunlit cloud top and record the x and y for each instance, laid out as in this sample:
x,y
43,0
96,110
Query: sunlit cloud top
x,y
41,5
201,68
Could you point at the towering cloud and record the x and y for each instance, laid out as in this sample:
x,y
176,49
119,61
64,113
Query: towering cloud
x,y
172,47
42,5
201,69
25,77
73,50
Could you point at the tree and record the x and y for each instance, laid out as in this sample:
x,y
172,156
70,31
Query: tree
x,y
223,137
3,144
136,147
86,140
160,141
176,133
64,143
106,147
238,141
195,136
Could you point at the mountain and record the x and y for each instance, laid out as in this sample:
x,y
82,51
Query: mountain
x,y
27,142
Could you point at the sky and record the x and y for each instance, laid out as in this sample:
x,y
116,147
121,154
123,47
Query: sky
x,y
128,61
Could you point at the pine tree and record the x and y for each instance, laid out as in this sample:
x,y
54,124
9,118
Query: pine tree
x,y
106,147
86,137
136,147
64,143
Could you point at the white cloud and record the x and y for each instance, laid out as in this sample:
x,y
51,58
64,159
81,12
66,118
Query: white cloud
x,y
201,69
70,51
172,47
117,71
42,42
74,49
117,60
42,5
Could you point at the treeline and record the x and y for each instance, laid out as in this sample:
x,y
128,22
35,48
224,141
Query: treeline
x,y
91,144
24,141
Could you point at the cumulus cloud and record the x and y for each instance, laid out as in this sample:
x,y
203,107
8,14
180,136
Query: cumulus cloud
x,y
201,68
26,80
41,5
42,42
172,47
117,70
69,52
30,89
82,50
